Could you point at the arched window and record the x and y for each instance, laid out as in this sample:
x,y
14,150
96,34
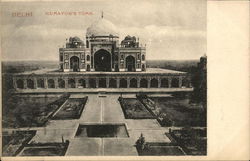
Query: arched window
x,y
88,67
88,58
143,67
143,57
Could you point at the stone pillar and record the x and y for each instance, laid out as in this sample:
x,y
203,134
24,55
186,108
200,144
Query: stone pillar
x,y
97,83
169,82
159,83
35,82
45,82
76,82
66,82
149,81
118,83
107,82
14,83
138,82
128,82
180,82
87,82
56,82
25,83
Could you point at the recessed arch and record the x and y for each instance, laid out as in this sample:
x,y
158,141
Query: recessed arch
x,y
102,83
74,64
20,83
61,83
81,83
123,83
112,83
92,83
71,83
133,83
175,83
144,83
130,63
102,60
164,83
40,83
51,83
154,83
30,84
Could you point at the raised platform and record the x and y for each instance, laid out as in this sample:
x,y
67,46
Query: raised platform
x,y
57,72
105,90
152,80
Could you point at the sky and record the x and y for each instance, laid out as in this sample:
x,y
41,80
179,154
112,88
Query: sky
x,y
171,29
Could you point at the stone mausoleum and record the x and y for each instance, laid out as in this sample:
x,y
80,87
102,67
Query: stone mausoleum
x,y
102,61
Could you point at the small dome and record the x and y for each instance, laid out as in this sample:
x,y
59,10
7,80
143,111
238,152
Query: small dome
x,y
102,27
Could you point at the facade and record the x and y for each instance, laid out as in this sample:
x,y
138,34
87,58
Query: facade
x,y
102,62
102,51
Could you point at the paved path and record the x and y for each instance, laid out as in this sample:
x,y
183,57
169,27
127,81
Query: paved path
x,y
101,109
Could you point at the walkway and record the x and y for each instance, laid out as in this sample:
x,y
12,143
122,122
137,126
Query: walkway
x,y
101,109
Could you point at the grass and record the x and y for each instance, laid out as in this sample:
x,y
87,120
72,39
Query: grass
x,y
180,111
134,109
13,143
32,111
72,109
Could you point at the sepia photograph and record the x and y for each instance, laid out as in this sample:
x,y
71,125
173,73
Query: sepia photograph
x,y
104,78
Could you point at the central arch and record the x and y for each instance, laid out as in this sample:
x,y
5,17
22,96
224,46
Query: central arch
x,y
130,63
102,60
74,63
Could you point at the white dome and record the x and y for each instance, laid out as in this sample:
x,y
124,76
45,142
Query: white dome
x,y
102,27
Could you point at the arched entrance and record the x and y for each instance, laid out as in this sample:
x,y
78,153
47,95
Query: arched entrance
x,y
102,61
74,63
130,63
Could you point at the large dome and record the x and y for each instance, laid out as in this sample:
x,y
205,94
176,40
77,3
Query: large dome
x,y
102,27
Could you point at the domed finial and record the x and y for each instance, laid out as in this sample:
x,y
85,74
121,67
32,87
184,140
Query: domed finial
x,y
102,14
